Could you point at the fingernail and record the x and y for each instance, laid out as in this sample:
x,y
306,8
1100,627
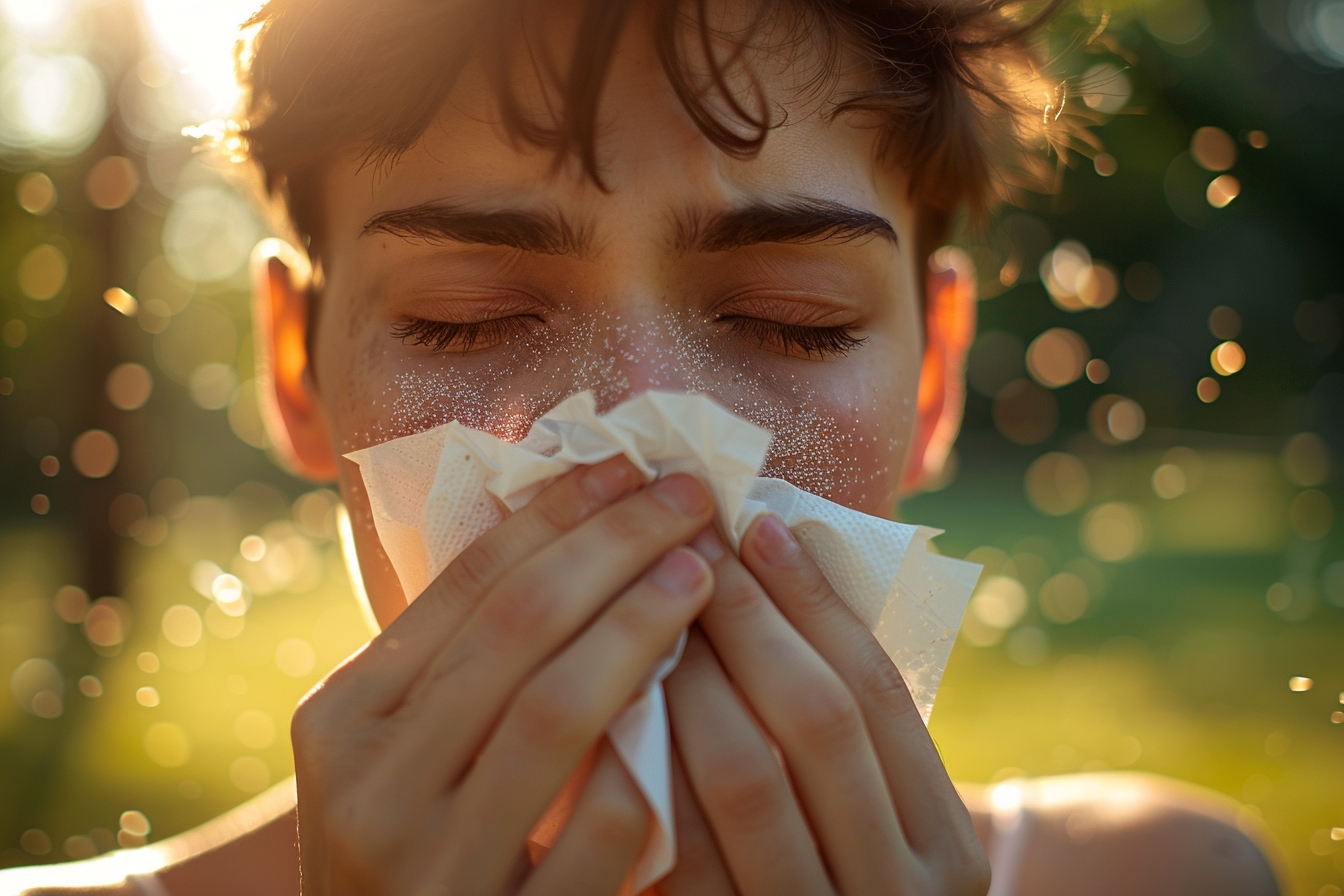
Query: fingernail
x,y
774,541
609,480
708,545
679,572
684,494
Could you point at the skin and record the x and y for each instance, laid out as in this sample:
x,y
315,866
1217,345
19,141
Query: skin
x,y
425,760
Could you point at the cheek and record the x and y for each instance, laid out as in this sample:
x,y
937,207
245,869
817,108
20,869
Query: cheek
x,y
845,437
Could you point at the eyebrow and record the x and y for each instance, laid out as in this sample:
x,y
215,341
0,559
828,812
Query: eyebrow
x,y
544,232
803,221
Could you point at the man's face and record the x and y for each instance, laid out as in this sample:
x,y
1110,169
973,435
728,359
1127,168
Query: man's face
x,y
476,280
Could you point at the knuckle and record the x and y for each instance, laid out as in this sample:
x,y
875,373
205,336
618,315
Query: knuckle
x,y
825,717
560,512
311,721
738,597
882,683
476,568
551,714
743,790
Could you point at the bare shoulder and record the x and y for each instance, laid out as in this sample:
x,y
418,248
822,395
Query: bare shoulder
x,y
1122,833
249,850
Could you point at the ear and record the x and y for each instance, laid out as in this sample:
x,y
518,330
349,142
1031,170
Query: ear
x,y
281,277
949,325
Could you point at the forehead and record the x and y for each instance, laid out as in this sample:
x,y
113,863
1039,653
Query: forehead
x,y
650,152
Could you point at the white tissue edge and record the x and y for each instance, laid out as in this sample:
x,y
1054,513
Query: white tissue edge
x,y
923,581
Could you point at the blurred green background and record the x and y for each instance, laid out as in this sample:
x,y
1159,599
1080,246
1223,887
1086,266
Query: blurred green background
x,y
1148,467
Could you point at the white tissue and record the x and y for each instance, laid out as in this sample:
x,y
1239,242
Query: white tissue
x,y
435,492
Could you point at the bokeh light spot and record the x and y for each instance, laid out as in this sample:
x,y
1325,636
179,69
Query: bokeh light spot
x,y
147,661
1097,370
49,465
1105,88
90,686
129,386
40,504
71,603
1300,684
1227,358
111,182
212,385
295,657
52,104
94,453
1057,357
1257,139
1208,389
35,842
1057,483
147,696
36,193
1105,164
1114,531
1213,149
1168,481
999,602
42,272
38,687
1064,598
1114,419
208,234
106,623
121,301
181,626
1177,22
252,548
1222,190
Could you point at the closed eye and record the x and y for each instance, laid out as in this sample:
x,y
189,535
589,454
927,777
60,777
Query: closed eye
x,y
453,336
816,343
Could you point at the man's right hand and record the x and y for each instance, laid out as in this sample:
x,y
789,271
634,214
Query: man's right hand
x,y
424,761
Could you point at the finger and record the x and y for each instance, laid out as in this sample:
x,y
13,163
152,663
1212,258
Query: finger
x,y
809,711
530,613
602,838
561,711
388,666
738,782
925,799
700,868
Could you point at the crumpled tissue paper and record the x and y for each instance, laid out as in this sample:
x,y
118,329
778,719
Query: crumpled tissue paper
x,y
434,492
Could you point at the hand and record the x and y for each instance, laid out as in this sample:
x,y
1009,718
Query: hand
x,y
425,760
862,803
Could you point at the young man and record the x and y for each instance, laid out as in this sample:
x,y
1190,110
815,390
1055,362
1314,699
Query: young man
x,y
503,204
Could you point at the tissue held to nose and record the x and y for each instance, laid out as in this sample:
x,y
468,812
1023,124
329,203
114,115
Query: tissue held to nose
x,y
434,492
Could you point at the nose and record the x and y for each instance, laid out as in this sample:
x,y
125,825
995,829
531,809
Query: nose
x,y
655,350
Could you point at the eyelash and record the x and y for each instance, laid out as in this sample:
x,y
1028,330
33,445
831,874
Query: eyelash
x,y
444,336
790,338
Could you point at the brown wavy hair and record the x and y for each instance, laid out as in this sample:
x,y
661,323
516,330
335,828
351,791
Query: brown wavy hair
x,y
961,88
